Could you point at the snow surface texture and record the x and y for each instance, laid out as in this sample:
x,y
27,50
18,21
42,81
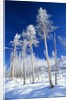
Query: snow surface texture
x,y
14,89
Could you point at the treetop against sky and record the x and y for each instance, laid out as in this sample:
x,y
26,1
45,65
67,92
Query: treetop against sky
x,y
18,15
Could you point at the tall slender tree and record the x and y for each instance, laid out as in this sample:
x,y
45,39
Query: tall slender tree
x,y
32,40
44,27
12,66
14,43
24,46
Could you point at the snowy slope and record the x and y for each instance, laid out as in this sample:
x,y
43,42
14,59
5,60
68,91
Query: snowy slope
x,y
15,90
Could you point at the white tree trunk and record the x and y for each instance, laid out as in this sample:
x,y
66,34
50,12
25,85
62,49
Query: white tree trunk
x,y
55,58
24,73
47,57
32,63
13,63
12,70
24,69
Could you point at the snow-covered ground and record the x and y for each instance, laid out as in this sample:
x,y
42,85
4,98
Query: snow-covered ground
x,y
14,89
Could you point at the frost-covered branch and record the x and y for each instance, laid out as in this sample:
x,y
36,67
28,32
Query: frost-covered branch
x,y
14,43
44,27
62,40
32,40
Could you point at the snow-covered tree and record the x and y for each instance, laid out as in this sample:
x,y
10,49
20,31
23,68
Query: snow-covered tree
x,y
32,40
44,27
18,65
11,66
24,46
14,43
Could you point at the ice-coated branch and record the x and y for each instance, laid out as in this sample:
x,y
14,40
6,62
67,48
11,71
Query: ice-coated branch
x,y
32,40
62,40
44,23
14,43
44,27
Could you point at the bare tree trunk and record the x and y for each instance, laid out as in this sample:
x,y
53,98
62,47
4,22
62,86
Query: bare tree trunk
x,y
55,58
24,73
12,66
12,71
47,57
24,70
32,62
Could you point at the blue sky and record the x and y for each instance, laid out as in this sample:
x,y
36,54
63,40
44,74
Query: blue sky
x,y
19,14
